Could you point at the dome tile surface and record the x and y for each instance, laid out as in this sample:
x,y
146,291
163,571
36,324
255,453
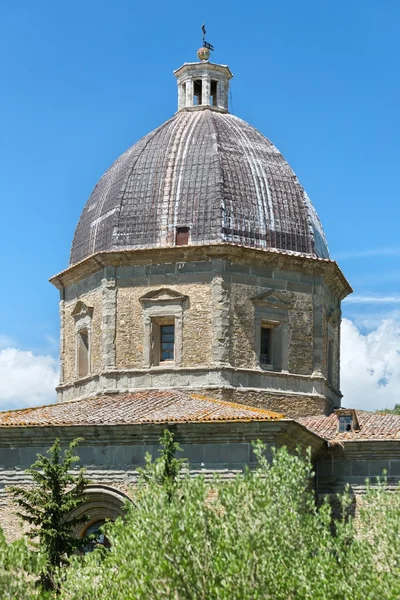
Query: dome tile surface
x,y
206,170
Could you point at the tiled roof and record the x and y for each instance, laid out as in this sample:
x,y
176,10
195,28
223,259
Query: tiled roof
x,y
152,406
206,170
373,426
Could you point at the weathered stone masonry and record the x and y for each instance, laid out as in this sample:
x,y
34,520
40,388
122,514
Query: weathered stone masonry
x,y
227,300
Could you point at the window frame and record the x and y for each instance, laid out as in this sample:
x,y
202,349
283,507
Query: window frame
x,y
156,341
271,309
344,422
82,315
164,306
79,345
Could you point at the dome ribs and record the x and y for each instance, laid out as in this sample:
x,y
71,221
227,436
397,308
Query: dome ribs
x,y
208,171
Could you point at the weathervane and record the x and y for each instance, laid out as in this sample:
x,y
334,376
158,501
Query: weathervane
x,y
206,44
204,52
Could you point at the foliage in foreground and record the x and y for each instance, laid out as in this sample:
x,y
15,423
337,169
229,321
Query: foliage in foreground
x,y
19,569
46,506
391,411
258,536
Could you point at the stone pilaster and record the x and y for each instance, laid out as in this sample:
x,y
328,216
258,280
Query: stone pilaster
x,y
189,92
206,91
318,328
181,96
108,326
62,335
221,319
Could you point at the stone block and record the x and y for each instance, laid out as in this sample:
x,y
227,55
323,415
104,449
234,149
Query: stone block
x,y
302,288
341,468
261,271
9,457
286,275
194,267
307,278
235,454
27,456
103,455
376,467
193,453
394,467
243,268
87,455
212,454
325,468
162,269
360,468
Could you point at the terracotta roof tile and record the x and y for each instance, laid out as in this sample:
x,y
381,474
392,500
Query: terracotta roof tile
x,y
148,406
373,426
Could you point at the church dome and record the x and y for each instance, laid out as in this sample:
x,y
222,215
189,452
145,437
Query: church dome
x,y
209,174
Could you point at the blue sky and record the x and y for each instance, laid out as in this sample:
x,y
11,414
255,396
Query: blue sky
x,y
82,81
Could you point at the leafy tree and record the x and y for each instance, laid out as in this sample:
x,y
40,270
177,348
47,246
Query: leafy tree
x,y
46,506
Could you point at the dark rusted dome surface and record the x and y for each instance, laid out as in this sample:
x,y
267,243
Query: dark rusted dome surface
x,y
208,171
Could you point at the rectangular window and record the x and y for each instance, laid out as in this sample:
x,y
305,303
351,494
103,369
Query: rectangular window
x,y
345,423
167,342
265,349
83,352
182,236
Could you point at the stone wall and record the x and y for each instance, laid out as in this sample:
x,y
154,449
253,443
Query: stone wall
x,y
112,455
224,304
291,405
351,463
94,299
197,325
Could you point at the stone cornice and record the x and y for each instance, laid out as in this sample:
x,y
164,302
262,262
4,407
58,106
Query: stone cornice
x,y
286,431
283,260
203,66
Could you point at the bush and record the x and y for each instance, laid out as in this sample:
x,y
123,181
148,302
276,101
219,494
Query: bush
x,y
19,569
257,536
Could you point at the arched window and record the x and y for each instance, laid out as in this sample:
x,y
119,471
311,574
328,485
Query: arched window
x,y
95,535
103,503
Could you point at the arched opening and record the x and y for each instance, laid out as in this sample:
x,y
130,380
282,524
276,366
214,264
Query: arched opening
x,y
95,535
102,504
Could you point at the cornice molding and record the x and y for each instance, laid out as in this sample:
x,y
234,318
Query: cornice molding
x,y
329,269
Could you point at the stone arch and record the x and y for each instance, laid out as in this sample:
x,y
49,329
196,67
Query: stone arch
x,y
102,503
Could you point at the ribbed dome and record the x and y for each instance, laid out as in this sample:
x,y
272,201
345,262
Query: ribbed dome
x,y
206,170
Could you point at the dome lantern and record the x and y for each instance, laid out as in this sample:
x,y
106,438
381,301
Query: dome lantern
x,y
203,84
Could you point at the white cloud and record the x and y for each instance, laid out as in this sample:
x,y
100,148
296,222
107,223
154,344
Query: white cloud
x,y
6,341
26,379
370,366
359,299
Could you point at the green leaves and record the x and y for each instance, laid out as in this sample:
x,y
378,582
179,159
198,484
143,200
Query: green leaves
x,y
48,505
256,536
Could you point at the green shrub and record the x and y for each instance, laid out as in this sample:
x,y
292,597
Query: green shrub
x,y
257,536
